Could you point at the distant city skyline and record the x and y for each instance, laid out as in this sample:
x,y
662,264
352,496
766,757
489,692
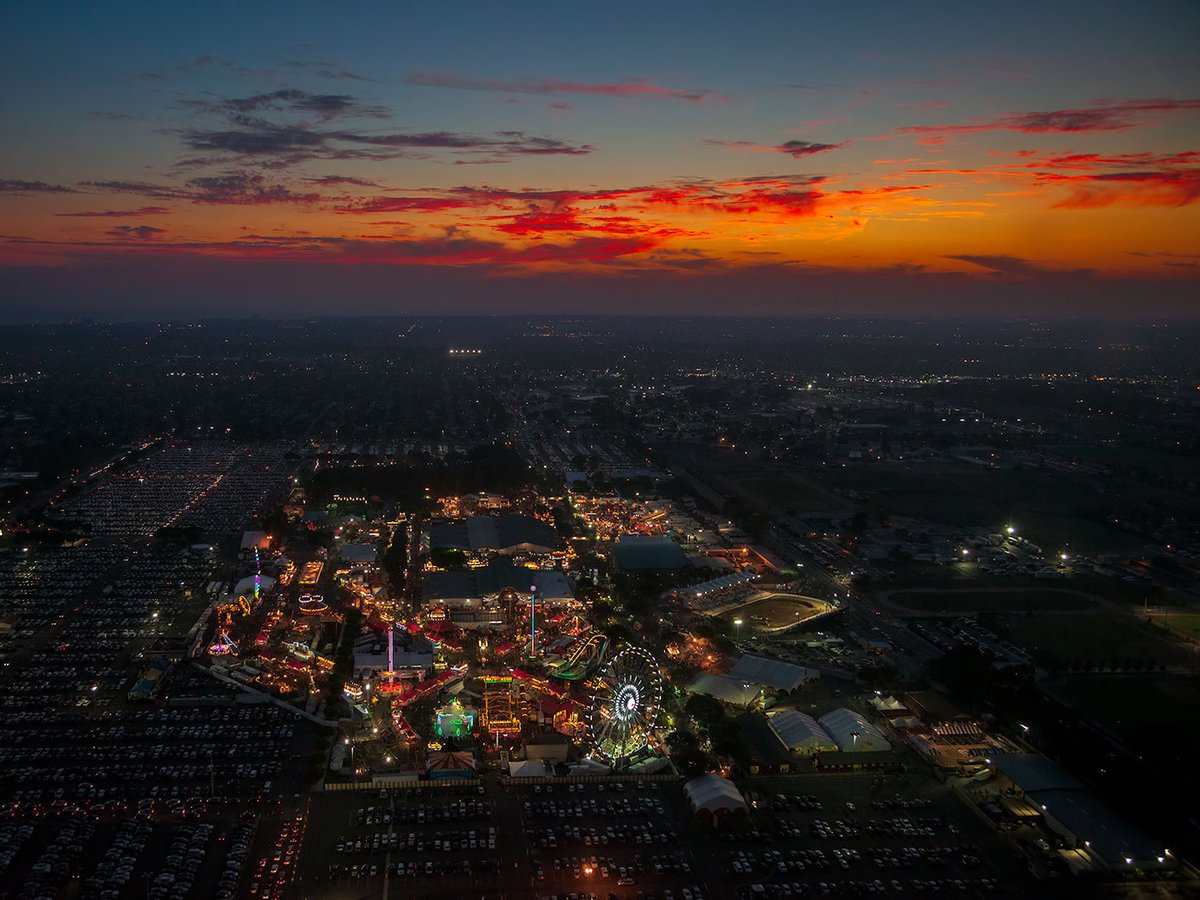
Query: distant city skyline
x,y
162,162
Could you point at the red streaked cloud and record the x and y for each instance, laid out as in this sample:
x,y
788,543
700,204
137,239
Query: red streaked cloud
x,y
1094,180
1128,189
446,250
1111,115
117,213
1099,161
629,88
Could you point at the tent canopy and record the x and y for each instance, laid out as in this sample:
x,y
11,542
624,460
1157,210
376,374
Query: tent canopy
x,y
798,731
713,794
853,733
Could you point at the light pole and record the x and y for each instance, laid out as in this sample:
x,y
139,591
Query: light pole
x,y
532,620
1025,734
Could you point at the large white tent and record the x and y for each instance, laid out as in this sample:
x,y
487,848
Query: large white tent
x,y
774,673
853,733
800,732
714,795
725,688
528,768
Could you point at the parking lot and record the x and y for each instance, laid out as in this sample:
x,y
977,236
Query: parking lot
x,y
425,842
807,835
856,835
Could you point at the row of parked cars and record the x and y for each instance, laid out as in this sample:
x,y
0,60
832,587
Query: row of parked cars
x,y
414,841
414,869
611,808
636,834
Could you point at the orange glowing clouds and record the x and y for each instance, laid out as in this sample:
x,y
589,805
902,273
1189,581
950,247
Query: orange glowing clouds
x,y
659,143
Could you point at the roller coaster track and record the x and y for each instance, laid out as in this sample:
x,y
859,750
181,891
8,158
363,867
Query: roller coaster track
x,y
585,655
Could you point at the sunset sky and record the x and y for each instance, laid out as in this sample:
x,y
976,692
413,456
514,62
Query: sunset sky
x,y
163,161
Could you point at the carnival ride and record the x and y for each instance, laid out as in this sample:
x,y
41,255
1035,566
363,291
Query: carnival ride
x,y
626,701
582,658
223,645
312,604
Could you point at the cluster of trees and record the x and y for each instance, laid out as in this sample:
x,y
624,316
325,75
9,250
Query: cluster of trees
x,y
493,467
448,558
344,663
714,728
395,559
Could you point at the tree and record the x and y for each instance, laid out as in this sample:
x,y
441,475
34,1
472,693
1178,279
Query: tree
x,y
726,738
682,743
448,558
705,710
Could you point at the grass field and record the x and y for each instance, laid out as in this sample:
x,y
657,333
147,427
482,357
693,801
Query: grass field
x,y
1177,465
787,493
1130,706
1051,511
1187,624
1099,637
1014,600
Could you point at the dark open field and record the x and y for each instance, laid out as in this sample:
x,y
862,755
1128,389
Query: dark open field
x,y
1052,509
1099,637
1005,600
1130,706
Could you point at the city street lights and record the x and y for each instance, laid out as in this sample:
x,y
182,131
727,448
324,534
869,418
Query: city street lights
x,y
351,746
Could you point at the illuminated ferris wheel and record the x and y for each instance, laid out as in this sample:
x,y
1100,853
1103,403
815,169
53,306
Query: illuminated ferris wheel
x,y
626,698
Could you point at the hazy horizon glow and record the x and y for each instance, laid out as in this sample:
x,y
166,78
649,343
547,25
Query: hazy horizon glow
x,y
277,160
